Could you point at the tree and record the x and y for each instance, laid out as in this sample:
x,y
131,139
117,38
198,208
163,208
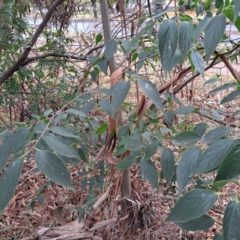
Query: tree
x,y
51,133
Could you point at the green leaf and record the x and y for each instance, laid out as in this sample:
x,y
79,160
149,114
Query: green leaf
x,y
54,168
76,112
214,33
111,48
6,149
151,149
122,132
126,162
61,146
198,62
89,106
102,129
197,224
185,110
231,96
19,139
9,182
99,37
63,132
102,62
149,171
213,156
151,91
167,42
119,94
185,36
135,40
236,10
186,138
215,134
212,80
185,167
231,220
133,144
192,205
229,12
229,169
106,106
223,87
218,3
177,57
142,55
200,128
218,237
168,163
200,27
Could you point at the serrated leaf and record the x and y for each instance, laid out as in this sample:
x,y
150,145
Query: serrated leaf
x,y
200,27
102,129
197,224
236,10
167,42
133,144
198,62
223,87
76,112
168,164
6,149
9,182
212,80
99,37
229,169
126,162
214,33
213,156
192,205
215,134
63,132
142,55
200,128
231,220
149,171
186,138
106,106
231,96
54,168
185,110
111,48
151,91
185,167
61,146
119,94
185,36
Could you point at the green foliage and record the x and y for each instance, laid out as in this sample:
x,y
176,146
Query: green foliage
x,y
66,127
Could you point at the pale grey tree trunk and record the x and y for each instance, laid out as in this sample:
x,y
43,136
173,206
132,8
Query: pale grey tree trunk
x,y
107,31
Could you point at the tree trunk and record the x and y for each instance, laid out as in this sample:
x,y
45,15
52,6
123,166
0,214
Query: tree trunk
x,y
94,5
126,181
